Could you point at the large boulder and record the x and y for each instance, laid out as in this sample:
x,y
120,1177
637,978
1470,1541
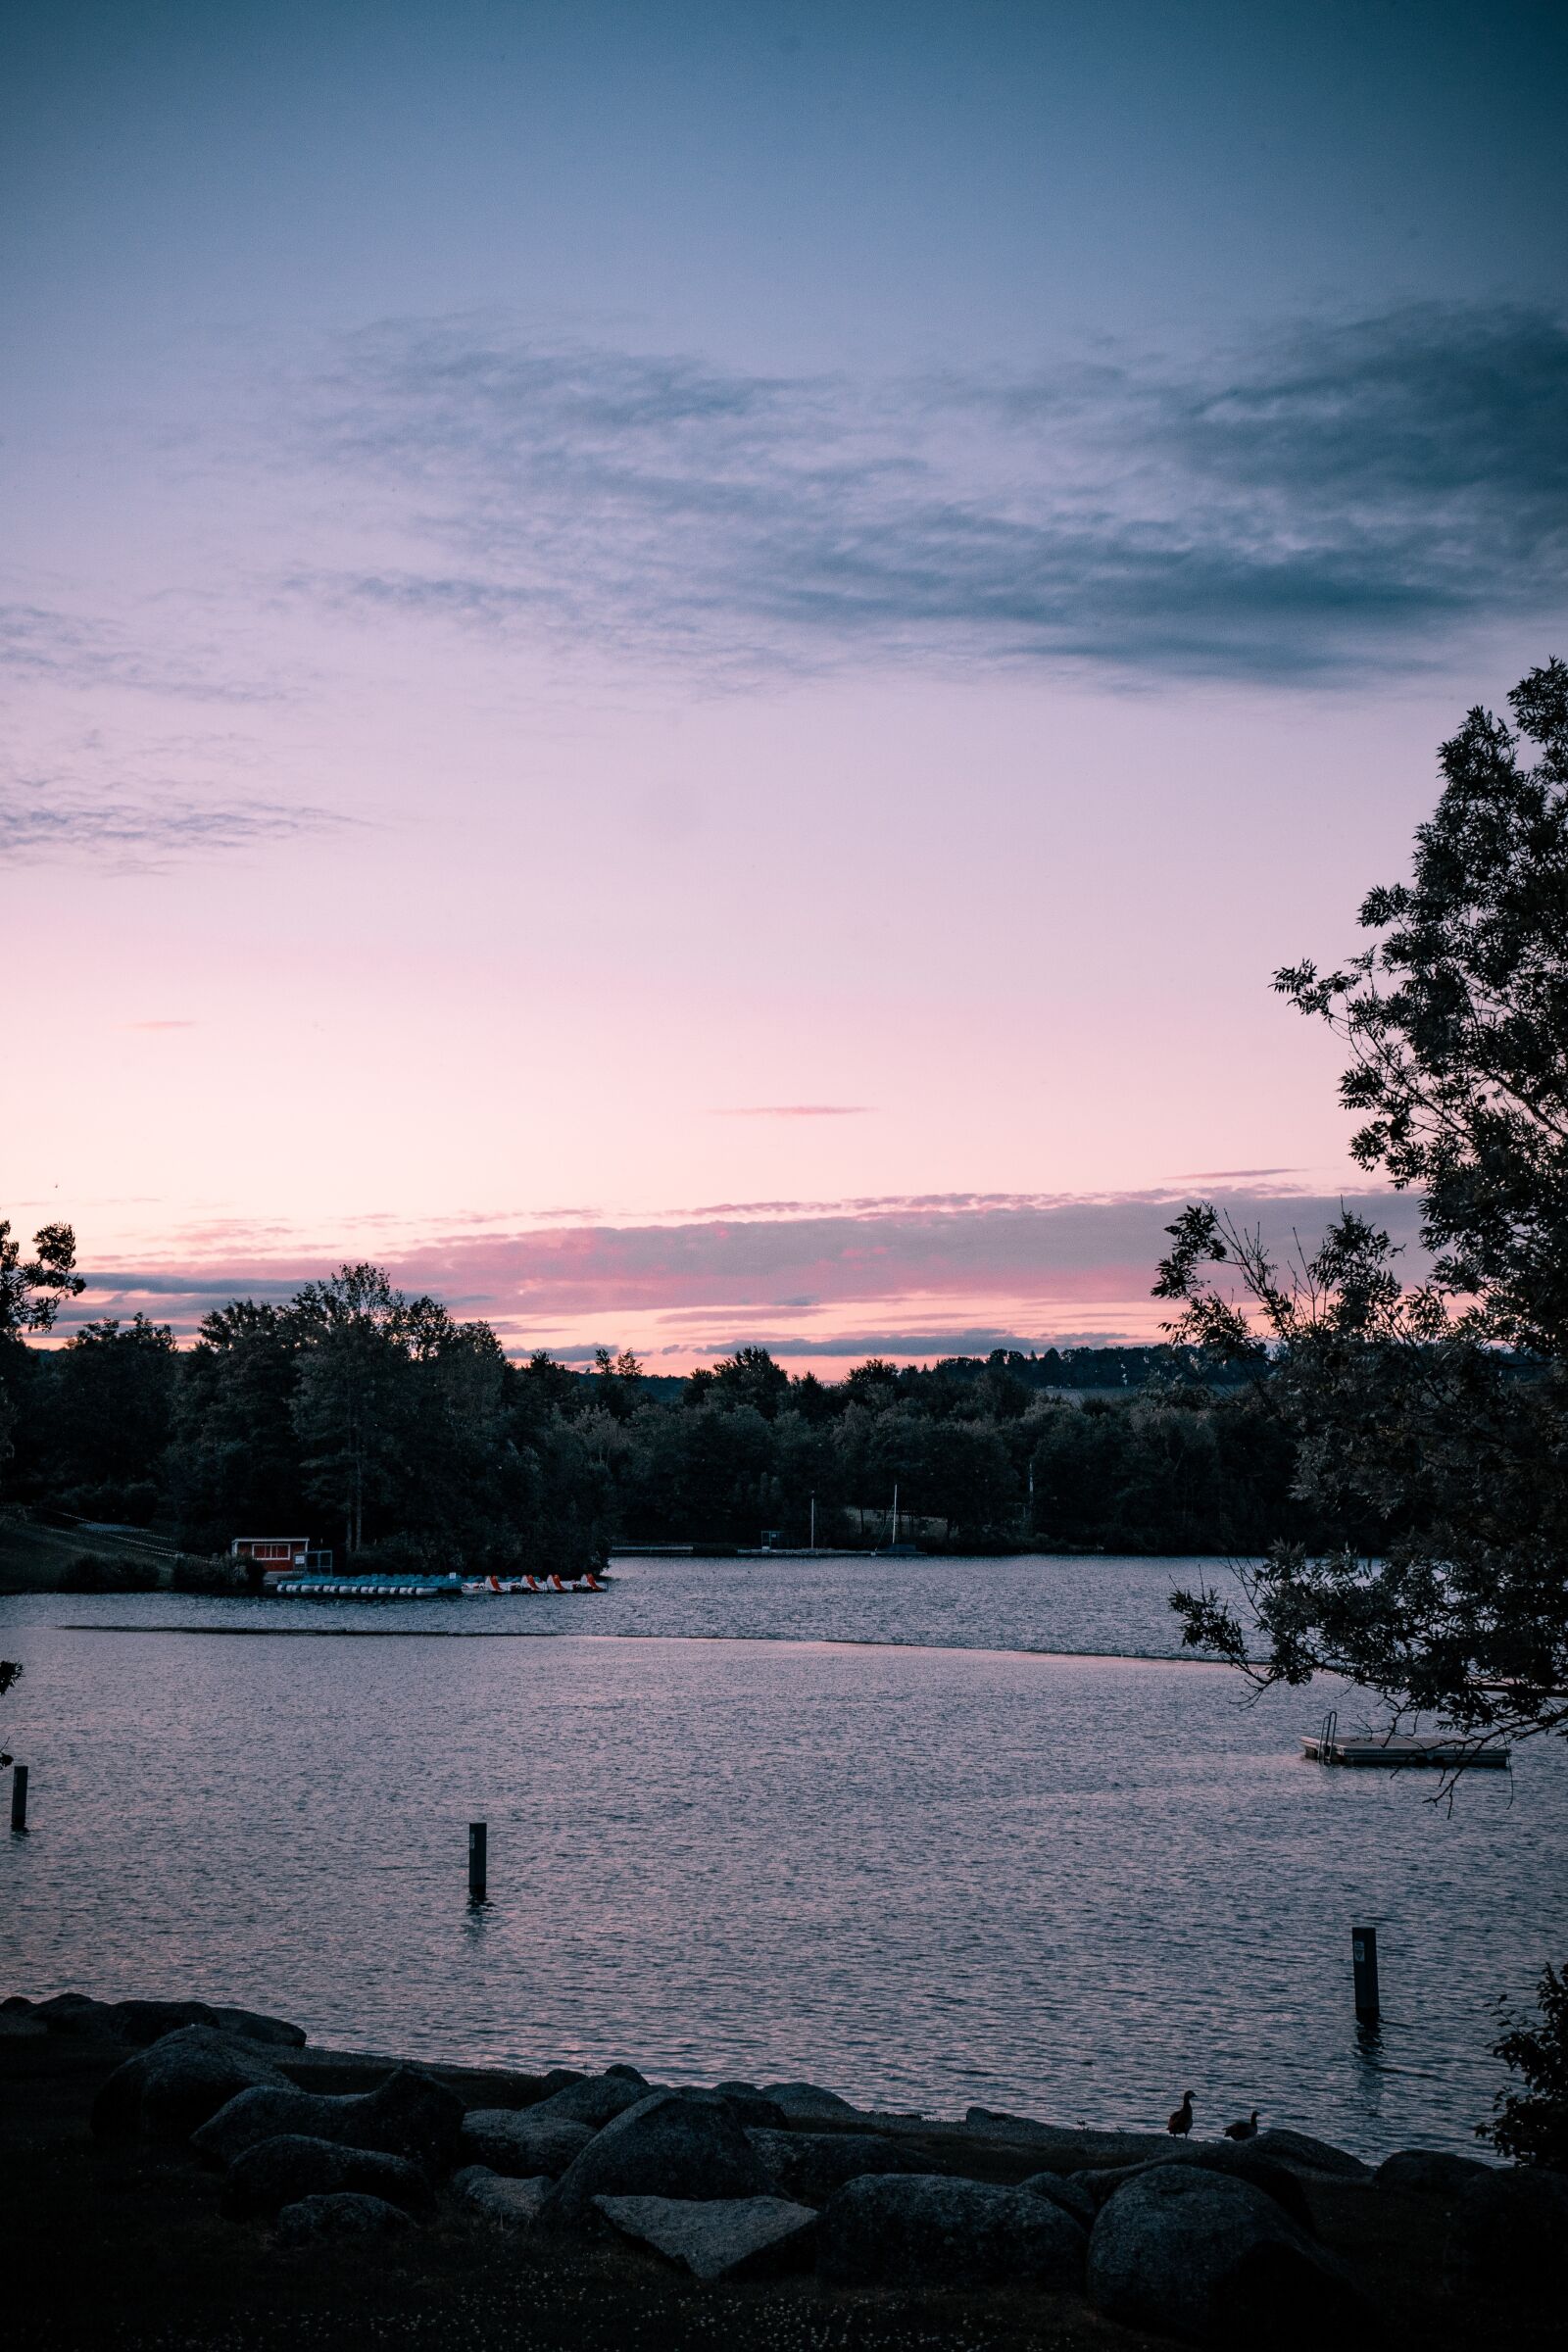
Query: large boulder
x,y
597,2099
746,2103
514,2203
1310,2155
280,2171
1192,2253
805,2102
723,2237
347,2213
811,2166
1239,2161
673,2143
1431,2172
1508,2236
142,2023
927,2230
1069,2191
408,2114
167,2091
521,2140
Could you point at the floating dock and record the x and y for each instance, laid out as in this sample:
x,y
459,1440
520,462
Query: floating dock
x,y
1394,1753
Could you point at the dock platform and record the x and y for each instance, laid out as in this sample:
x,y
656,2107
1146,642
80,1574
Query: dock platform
x,y
1447,1755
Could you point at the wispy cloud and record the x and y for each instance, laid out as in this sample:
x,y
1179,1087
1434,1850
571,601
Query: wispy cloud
x,y
158,1024
1330,497
37,825
793,1110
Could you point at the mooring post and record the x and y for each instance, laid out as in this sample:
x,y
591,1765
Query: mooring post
x,y
1364,1963
478,1840
19,1796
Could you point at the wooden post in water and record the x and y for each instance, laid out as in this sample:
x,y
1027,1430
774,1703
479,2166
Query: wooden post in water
x,y
19,1796
478,1840
1364,1963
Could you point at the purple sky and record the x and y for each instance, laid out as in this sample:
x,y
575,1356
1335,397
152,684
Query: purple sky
x,y
612,610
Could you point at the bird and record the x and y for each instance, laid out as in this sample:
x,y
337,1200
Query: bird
x,y
1246,2127
1180,2122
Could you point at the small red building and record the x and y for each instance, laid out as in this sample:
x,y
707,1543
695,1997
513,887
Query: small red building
x,y
281,1552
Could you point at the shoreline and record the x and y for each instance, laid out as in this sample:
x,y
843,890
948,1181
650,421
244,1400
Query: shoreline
x,y
125,2244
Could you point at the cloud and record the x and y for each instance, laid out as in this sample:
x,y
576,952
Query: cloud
x,y
39,824
83,652
158,1024
896,1277
1332,497
793,1110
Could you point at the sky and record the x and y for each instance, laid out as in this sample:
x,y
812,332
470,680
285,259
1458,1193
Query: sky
x,y
683,668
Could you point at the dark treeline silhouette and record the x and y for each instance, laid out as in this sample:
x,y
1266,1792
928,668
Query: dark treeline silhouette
x,y
386,1429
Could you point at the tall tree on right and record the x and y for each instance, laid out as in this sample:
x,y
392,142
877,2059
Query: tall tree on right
x,y
1429,1421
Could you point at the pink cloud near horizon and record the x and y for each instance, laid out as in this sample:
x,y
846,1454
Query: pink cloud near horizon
x,y
914,1278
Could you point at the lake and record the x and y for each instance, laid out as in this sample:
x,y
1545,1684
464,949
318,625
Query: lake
x,y
929,1831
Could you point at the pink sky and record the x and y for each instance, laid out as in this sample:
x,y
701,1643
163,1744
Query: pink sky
x,y
644,616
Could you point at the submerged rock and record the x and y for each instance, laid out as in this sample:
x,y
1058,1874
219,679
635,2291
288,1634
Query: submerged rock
x,y
724,2237
344,2213
279,2172
167,2091
672,2144
927,2230
499,2199
522,2141
1188,2252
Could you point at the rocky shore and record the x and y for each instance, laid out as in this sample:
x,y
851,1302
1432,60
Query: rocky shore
x,y
178,2173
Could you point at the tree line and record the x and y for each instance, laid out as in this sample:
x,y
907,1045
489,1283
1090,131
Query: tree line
x,y
391,1431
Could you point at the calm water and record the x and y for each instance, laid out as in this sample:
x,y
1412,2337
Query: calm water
x,y
828,1819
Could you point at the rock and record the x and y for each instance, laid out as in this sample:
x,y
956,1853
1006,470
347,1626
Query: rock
x,y
1066,2189
1188,2252
344,2213
169,2090
14,2027
253,2025
722,2237
1431,2173
811,2166
15,2004
514,2202
597,2100
1508,2235
560,2078
927,2230
670,2144
749,2107
1073,2149
1238,2160
520,2141
280,2171
142,2023
803,2102
408,2114
1310,2155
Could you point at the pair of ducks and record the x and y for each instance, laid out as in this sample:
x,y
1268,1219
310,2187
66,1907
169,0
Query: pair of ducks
x,y
1179,2121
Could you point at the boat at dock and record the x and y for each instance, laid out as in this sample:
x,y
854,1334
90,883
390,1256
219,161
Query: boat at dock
x,y
1394,1753
287,1587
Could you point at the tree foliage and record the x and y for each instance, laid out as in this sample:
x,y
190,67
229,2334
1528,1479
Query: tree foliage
x,y
1427,1421
1532,2125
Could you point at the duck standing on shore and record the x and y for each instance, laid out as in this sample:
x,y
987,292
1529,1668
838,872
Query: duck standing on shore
x,y
1244,2127
1179,2123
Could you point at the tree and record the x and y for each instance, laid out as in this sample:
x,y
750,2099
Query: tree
x,y
113,1416
350,1409
31,1294
1532,2125
1438,1457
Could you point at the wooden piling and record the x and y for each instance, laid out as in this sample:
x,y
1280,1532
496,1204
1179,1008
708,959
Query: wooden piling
x,y
1365,1965
478,1840
19,1796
